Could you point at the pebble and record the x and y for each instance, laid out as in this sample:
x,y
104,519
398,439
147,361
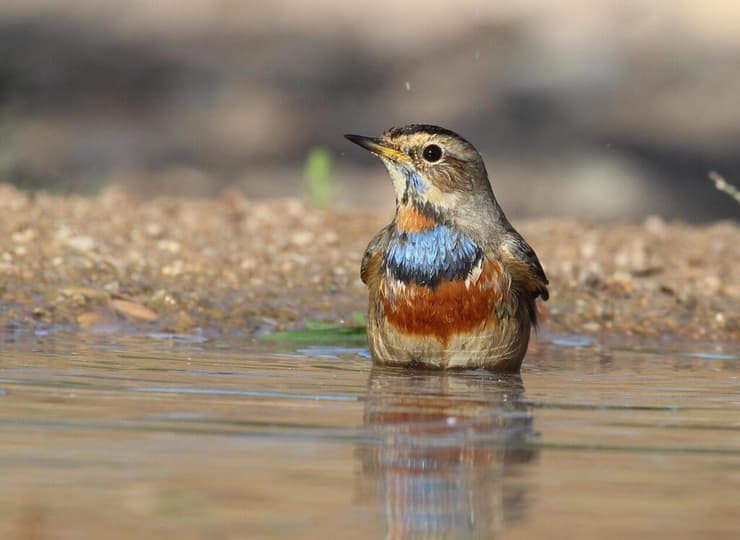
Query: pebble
x,y
171,246
655,225
81,243
133,310
24,237
174,269
302,238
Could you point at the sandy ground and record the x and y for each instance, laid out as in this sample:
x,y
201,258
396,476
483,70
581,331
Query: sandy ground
x,y
116,264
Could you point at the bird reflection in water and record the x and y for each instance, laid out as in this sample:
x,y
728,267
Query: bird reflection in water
x,y
444,452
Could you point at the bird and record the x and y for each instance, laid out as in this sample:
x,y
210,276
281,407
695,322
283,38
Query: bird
x,y
451,283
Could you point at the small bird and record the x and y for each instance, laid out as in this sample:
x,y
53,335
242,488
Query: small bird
x,y
452,284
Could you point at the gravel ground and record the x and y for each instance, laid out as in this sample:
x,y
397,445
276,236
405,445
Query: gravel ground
x,y
116,264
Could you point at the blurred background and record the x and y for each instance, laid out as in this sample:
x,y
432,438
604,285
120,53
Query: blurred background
x,y
596,110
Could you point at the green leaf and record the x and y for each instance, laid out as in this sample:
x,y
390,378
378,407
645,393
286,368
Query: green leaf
x,y
320,325
321,333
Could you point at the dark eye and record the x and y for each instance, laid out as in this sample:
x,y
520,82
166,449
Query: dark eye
x,y
432,153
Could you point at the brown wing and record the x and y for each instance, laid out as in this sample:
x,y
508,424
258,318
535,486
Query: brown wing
x,y
524,265
373,257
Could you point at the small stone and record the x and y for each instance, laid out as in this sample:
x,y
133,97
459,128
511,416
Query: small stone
x,y
300,260
184,321
112,287
23,237
665,289
591,326
86,294
621,259
330,238
588,250
133,310
248,264
94,319
302,238
170,246
174,269
295,208
655,225
80,243
589,278
712,284
622,277
163,297
153,229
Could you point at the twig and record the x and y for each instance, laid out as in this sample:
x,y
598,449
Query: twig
x,y
723,185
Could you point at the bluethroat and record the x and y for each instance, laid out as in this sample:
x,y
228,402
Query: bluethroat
x,y
452,284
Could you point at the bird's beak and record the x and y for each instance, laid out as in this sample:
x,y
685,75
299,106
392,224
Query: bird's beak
x,y
377,147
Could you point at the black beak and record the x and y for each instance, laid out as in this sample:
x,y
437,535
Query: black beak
x,y
379,148
368,143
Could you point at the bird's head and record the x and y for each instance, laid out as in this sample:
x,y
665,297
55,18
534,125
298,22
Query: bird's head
x,y
434,168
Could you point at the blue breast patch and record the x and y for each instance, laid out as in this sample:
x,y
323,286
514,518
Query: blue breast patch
x,y
416,181
431,256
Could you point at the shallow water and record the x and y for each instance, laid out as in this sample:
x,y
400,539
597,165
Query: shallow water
x,y
153,439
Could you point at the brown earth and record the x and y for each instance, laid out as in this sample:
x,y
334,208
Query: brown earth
x,y
230,265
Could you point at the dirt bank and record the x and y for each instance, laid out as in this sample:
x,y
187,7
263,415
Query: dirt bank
x,y
230,265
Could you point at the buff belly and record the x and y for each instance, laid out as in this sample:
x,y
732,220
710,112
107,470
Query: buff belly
x,y
459,324
477,349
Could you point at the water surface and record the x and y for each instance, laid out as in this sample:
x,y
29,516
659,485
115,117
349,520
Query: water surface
x,y
148,438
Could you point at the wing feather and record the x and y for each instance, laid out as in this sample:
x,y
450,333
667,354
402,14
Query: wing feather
x,y
371,260
524,265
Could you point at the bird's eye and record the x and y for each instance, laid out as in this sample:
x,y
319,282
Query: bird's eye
x,y
432,153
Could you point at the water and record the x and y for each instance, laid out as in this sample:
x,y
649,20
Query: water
x,y
154,439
